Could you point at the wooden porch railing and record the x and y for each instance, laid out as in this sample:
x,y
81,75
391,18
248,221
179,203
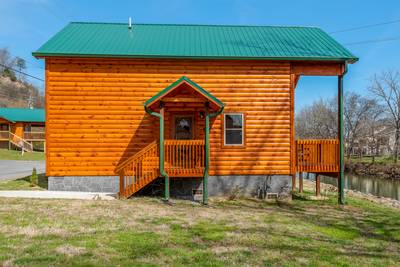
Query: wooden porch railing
x,y
20,142
184,158
317,155
38,136
139,170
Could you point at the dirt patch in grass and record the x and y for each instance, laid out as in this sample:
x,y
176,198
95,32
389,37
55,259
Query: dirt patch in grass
x,y
70,250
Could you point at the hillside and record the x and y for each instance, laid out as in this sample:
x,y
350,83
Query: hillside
x,y
15,90
19,94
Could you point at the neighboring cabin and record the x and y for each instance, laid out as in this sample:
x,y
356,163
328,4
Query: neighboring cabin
x,y
22,128
135,102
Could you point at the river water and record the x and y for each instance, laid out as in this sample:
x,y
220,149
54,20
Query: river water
x,y
366,184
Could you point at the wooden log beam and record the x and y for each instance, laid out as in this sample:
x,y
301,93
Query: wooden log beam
x,y
183,99
318,69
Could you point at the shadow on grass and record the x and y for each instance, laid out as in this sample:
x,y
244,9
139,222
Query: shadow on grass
x,y
25,183
42,180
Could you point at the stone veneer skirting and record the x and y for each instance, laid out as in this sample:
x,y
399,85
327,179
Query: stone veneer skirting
x,y
107,184
247,185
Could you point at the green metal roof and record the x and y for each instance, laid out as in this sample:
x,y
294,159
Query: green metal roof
x,y
22,114
194,41
175,84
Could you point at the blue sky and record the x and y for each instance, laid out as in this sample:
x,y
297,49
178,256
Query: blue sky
x,y
27,24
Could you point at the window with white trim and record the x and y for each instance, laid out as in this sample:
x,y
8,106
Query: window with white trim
x,y
233,129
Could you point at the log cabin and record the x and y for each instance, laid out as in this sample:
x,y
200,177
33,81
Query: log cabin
x,y
22,128
196,110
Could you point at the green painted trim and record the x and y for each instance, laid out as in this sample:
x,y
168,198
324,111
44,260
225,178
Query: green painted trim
x,y
207,152
4,118
161,151
23,114
349,60
341,196
175,84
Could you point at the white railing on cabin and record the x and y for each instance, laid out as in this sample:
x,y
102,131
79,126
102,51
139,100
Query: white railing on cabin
x,y
20,142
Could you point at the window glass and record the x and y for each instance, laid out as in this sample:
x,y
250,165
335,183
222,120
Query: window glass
x,y
233,121
4,127
233,129
27,127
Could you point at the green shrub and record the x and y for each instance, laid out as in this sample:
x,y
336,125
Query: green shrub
x,y
34,178
10,74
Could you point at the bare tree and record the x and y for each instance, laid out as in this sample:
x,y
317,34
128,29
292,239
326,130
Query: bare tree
x,y
318,120
374,126
21,64
386,87
356,112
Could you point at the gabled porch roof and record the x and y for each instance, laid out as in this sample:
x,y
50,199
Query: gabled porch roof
x,y
192,85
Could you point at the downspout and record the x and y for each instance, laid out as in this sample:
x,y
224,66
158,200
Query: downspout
x,y
341,198
161,157
207,151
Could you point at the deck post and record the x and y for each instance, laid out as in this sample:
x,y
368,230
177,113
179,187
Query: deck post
x,y
294,182
300,182
206,157
317,185
341,198
207,149
166,177
121,184
160,116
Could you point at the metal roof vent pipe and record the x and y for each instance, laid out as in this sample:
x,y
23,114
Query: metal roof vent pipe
x,y
130,23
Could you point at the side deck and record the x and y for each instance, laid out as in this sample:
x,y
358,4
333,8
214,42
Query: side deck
x,y
317,155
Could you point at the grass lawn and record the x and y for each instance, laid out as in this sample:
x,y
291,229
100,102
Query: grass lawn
x,y
6,154
24,184
146,232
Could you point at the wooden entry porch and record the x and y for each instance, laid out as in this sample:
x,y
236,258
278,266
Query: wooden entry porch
x,y
182,158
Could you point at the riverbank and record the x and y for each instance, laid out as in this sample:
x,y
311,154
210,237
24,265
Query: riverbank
x,y
327,189
385,171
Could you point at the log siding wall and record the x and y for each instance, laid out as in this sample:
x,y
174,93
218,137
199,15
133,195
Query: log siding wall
x,y
95,117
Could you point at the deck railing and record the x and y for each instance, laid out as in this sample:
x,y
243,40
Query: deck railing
x,y
20,142
184,158
138,170
38,136
317,155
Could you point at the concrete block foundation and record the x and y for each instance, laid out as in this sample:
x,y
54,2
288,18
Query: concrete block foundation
x,y
187,188
106,184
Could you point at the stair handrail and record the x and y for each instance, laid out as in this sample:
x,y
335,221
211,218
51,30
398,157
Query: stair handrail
x,y
121,166
20,139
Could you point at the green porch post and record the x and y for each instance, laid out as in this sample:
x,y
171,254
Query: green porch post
x,y
162,171
161,148
207,150
206,158
341,198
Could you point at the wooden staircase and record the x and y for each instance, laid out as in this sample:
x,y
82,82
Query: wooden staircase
x,y
139,170
182,158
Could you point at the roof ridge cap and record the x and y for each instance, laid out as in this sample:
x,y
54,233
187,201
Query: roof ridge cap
x,y
194,24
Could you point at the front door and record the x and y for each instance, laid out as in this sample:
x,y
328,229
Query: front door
x,y
183,127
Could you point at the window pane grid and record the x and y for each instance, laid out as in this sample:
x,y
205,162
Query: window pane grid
x,y
233,131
